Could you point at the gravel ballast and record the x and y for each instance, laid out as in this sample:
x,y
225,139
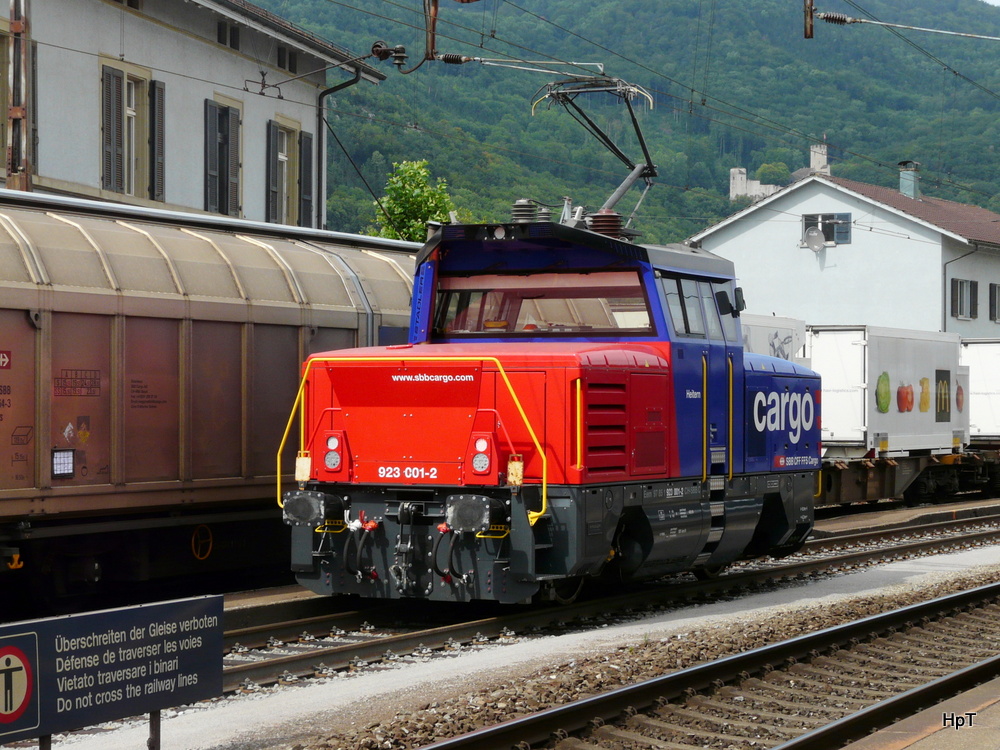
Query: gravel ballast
x,y
411,702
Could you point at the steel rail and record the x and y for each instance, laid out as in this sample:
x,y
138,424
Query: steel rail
x,y
927,525
577,715
255,636
343,655
886,712
306,664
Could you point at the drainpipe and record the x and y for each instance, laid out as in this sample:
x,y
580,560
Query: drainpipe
x,y
321,146
18,160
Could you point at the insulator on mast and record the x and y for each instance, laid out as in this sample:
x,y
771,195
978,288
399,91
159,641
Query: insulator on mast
x,y
524,211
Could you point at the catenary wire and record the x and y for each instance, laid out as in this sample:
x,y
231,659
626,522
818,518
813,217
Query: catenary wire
x,y
726,109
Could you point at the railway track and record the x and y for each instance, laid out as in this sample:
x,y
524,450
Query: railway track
x,y
817,691
319,645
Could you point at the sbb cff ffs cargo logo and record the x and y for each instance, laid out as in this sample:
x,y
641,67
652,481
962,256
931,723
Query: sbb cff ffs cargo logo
x,y
18,684
791,413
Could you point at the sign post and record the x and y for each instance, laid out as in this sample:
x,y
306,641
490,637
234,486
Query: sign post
x,y
65,673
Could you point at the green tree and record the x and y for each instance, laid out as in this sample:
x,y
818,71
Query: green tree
x,y
410,202
774,174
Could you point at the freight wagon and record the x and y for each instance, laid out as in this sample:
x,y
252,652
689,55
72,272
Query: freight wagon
x,y
982,357
896,417
903,415
146,362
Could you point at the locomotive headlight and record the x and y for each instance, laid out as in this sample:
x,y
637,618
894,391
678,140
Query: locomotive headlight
x,y
336,444
481,454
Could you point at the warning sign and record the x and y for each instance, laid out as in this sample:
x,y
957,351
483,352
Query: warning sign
x,y
15,683
67,673
18,686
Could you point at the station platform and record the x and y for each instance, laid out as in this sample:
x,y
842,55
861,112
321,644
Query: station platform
x,y
886,516
966,722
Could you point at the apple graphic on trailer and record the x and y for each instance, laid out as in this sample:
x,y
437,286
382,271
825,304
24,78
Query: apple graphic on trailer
x,y
904,398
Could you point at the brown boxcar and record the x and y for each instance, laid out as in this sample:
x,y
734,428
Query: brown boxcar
x,y
147,360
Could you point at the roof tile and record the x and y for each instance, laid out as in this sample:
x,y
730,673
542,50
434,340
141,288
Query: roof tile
x,y
974,223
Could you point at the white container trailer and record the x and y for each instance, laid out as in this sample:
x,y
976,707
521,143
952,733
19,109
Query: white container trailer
x,y
889,392
982,357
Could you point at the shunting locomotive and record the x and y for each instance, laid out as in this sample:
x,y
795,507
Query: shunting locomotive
x,y
570,405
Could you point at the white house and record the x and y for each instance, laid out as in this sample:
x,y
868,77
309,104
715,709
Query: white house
x,y
205,105
832,251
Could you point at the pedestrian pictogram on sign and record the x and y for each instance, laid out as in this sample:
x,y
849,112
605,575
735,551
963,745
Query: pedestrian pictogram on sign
x,y
16,681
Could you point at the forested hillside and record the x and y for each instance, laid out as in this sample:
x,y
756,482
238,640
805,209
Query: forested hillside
x,y
734,83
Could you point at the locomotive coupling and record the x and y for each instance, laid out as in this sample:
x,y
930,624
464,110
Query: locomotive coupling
x,y
474,513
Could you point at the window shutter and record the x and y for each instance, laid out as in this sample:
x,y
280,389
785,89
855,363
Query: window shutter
x,y
842,229
112,162
974,299
305,180
212,153
993,301
271,199
954,298
233,162
157,138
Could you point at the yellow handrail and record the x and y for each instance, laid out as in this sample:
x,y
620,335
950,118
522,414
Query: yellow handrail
x,y
533,516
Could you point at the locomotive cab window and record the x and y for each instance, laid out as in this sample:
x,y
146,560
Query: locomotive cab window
x,y
591,304
693,308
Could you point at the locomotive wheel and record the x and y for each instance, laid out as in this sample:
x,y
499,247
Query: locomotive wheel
x,y
567,590
709,573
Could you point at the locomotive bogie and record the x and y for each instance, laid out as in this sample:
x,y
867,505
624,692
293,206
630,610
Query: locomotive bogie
x,y
406,543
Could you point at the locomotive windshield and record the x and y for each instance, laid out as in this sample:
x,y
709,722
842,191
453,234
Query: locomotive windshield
x,y
609,303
